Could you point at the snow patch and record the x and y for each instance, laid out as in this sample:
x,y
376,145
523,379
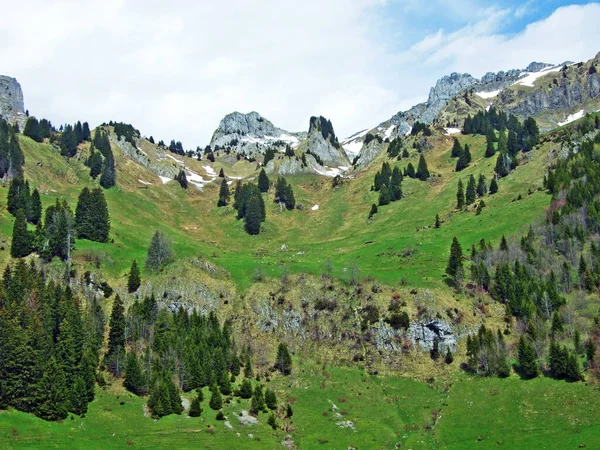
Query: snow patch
x,y
330,172
450,131
144,182
355,136
165,180
210,171
353,148
388,132
530,77
142,151
314,208
490,94
174,159
572,117
195,178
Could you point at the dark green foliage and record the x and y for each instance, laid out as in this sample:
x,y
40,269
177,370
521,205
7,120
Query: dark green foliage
x,y
95,163
527,359
590,350
134,279
557,324
456,149
449,358
563,363
289,412
19,196
398,320
12,159
164,397
434,353
34,212
419,127
32,129
504,164
176,147
455,265
490,149
92,219
135,380
487,353
21,237
471,193
246,389
223,194
410,171
57,237
124,130
422,170
270,399
116,335
481,186
271,421
438,223
68,142
284,193
493,186
373,210
263,181
250,206
460,195
395,148
326,128
195,408
384,196
160,252
108,178
257,404
269,155
216,400
283,361
253,216
464,159
47,355
289,152
181,178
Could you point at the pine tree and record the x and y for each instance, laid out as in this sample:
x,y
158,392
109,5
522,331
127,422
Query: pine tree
x,y
422,170
116,335
384,196
456,149
481,186
289,199
503,164
181,178
195,408
263,181
216,401
449,358
373,210
53,391
460,195
527,358
95,162
471,193
21,238
410,171
35,208
283,361
253,216
272,422
257,404
438,223
246,389
464,159
270,399
134,280
221,173
289,412
396,184
490,149
493,186
223,194
455,265
134,380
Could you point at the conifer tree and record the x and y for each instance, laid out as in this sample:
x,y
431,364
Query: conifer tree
x,y
160,252
438,223
270,399
464,159
134,280
373,210
481,186
263,181
257,404
223,194
283,361
253,216
471,192
21,238
134,380
181,178
449,358
109,176
490,149
246,389
116,335
53,391
456,149
493,186
221,173
35,208
460,195
384,196
410,171
216,401
455,265
422,170
527,358
195,408
289,412
289,199
95,162
396,184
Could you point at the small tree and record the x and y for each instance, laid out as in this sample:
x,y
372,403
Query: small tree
x,y
460,195
493,186
456,149
422,170
181,178
527,359
134,380
246,389
438,223
160,252
373,210
263,181
134,280
216,401
257,404
271,399
471,193
283,362
481,186
221,173
454,267
449,356
195,408
21,238
223,194
289,412
272,421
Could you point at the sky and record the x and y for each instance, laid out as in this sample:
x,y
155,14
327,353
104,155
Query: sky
x,y
174,69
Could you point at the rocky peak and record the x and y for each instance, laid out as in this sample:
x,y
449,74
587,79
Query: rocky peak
x,y
536,66
248,124
323,142
11,99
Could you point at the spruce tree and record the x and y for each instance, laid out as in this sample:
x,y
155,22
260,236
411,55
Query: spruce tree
x,y
460,195
396,184
289,199
481,186
438,223
134,280
270,399
246,389
160,252
109,175
257,404
216,401
455,265
410,171
490,149
134,380
464,159
181,178
223,194
283,361
95,162
263,181
449,358
493,186
384,196
21,238
373,210
253,216
221,173
35,208
116,335
527,358
422,170
195,408
456,149
471,193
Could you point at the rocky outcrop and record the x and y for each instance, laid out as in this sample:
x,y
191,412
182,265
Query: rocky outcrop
x,y
12,107
423,333
369,152
251,133
295,166
323,142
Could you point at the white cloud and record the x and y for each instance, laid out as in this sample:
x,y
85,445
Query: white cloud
x,y
174,69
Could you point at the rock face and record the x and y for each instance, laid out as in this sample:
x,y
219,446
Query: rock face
x,y
424,333
369,152
12,106
251,133
323,143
